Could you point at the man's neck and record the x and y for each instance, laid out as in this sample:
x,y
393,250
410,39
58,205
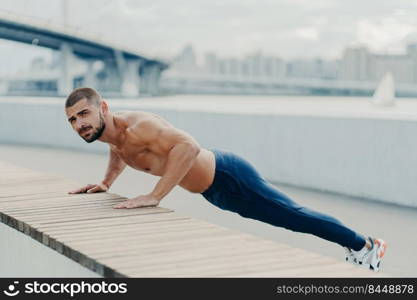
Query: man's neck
x,y
112,132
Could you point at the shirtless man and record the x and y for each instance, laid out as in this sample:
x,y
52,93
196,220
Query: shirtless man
x,y
148,143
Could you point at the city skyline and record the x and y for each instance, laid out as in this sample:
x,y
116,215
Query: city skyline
x,y
355,63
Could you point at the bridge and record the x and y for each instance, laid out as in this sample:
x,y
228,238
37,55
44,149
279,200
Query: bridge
x,y
123,69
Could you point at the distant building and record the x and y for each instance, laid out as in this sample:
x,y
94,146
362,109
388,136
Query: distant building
x,y
185,60
359,64
253,66
210,63
355,64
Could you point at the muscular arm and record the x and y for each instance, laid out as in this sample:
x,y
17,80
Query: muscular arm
x,y
115,166
180,159
180,147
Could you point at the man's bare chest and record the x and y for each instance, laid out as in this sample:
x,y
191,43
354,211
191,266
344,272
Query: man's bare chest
x,y
141,157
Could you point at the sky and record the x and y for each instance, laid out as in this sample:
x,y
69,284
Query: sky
x,y
290,29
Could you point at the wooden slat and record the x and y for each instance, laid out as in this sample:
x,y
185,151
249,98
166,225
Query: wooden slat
x,y
59,195
55,204
210,249
121,230
211,256
38,190
98,223
224,266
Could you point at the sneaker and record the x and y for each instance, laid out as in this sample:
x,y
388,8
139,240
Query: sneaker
x,y
349,255
369,258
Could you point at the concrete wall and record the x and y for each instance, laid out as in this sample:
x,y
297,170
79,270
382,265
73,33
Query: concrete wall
x,y
40,261
373,158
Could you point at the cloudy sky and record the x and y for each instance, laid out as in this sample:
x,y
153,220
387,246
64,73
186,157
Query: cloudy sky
x,y
285,28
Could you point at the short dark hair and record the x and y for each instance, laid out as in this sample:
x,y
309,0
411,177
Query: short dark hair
x,y
92,96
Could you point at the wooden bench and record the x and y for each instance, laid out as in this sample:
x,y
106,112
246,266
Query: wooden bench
x,y
146,242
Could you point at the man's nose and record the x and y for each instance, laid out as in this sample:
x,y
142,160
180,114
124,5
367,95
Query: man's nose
x,y
79,125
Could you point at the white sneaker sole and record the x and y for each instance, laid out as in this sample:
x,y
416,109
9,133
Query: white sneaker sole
x,y
375,263
376,259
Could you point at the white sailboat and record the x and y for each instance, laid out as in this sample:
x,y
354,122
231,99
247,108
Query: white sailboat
x,y
384,94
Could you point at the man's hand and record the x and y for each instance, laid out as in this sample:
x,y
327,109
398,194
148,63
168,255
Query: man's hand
x,y
91,188
140,201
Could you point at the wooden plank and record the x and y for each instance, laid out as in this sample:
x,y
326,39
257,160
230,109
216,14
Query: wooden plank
x,y
153,259
59,195
37,190
112,231
209,249
88,250
234,247
128,233
53,185
142,246
133,220
154,236
22,223
42,208
55,204
226,265
85,214
244,261
156,241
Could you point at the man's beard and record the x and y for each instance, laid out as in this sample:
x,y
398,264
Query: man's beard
x,y
97,132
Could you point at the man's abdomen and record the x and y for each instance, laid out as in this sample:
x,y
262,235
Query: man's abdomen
x,y
201,174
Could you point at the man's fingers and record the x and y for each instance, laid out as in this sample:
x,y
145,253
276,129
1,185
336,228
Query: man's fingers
x,y
94,189
82,190
120,205
77,191
126,204
135,203
97,188
132,205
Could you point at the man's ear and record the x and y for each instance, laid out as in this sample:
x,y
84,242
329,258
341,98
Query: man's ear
x,y
104,107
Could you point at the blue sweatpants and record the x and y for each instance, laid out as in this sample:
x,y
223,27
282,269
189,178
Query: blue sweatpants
x,y
238,187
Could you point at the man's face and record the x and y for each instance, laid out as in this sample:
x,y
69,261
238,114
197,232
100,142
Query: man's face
x,y
86,119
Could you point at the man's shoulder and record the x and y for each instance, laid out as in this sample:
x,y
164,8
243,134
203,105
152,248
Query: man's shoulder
x,y
133,118
130,113
140,121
